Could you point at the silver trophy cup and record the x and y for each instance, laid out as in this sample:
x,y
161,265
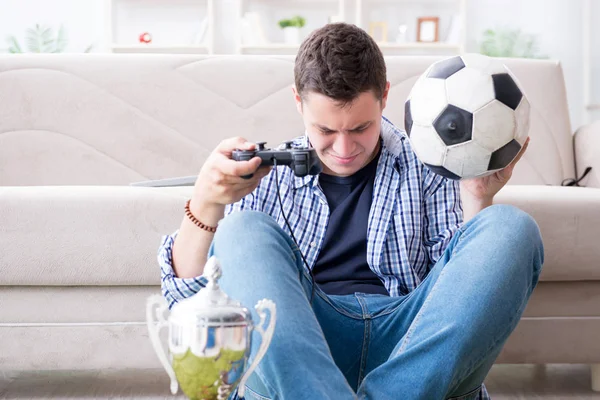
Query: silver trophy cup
x,y
209,339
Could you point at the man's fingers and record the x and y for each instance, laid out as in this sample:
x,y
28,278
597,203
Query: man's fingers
x,y
520,154
239,168
228,145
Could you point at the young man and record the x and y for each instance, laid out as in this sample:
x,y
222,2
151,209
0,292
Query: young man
x,y
420,281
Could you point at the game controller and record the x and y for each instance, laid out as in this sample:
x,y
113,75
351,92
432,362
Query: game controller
x,y
303,161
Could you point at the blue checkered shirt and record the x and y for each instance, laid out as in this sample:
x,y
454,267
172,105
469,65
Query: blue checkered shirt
x,y
413,217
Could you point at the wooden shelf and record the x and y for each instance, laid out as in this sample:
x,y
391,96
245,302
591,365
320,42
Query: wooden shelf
x,y
150,48
419,45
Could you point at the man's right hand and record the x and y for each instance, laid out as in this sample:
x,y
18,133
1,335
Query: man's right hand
x,y
220,179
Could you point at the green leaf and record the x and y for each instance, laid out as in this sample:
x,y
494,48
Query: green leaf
x,y
61,40
14,46
508,43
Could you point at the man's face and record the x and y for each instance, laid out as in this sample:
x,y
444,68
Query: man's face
x,y
345,137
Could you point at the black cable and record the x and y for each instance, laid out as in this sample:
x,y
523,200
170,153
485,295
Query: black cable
x,y
312,277
575,182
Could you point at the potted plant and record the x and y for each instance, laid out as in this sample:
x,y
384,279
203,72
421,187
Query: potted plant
x,y
291,29
41,39
509,43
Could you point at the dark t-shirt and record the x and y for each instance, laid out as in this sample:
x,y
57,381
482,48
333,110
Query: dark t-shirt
x,y
341,267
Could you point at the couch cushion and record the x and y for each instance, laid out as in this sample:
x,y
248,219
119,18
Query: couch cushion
x,y
110,235
568,218
99,119
77,235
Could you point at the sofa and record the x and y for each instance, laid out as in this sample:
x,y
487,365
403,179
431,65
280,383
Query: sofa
x,y
79,243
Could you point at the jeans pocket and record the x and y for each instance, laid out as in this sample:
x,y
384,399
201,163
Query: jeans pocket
x,y
472,395
250,394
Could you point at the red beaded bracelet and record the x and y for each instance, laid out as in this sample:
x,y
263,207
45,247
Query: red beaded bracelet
x,y
195,220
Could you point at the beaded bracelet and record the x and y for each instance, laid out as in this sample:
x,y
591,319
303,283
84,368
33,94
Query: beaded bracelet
x,y
195,220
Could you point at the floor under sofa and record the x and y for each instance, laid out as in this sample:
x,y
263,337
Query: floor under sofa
x,y
556,382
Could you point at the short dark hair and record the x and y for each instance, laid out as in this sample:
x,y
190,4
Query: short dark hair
x,y
341,61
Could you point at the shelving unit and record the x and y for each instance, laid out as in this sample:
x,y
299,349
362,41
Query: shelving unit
x,y
259,22
390,14
176,26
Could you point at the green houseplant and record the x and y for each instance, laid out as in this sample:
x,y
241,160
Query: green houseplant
x,y
509,43
291,29
41,39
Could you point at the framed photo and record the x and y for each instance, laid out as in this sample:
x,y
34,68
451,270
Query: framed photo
x,y
378,31
428,29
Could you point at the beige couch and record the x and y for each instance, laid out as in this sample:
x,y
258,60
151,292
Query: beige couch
x,y
78,244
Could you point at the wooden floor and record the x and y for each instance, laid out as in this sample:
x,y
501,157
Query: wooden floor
x,y
556,382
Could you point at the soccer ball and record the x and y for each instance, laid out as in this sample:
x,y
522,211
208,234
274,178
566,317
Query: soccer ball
x,y
466,116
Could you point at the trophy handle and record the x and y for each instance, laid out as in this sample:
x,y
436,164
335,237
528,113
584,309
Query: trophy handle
x,y
266,336
156,306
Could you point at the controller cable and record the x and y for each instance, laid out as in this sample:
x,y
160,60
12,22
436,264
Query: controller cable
x,y
312,276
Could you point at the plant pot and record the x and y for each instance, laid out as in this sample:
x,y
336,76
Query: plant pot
x,y
291,35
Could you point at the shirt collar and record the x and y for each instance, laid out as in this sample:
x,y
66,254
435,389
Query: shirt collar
x,y
392,148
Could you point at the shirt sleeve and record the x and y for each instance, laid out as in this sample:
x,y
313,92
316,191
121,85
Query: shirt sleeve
x,y
443,213
174,288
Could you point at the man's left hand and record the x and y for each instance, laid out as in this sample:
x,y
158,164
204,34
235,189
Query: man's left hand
x,y
485,188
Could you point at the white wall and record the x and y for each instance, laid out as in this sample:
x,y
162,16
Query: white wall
x,y
84,20
556,22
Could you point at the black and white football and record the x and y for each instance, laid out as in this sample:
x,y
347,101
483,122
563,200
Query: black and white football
x,y
466,116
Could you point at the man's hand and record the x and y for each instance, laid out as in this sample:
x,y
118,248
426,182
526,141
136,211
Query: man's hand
x,y
478,193
220,180
219,183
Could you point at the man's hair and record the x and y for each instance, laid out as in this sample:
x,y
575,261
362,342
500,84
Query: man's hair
x,y
340,61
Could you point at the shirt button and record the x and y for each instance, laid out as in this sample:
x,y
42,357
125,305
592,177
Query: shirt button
x,y
312,244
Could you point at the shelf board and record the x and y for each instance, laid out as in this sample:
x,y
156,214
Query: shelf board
x,y
270,46
150,48
419,46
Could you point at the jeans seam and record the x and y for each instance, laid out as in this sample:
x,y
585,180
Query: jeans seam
x,y
366,339
471,368
464,396
418,316
260,375
257,395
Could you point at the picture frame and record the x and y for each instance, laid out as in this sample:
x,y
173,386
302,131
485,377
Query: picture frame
x,y
378,31
428,29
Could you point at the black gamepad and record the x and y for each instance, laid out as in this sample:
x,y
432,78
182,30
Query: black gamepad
x,y
303,161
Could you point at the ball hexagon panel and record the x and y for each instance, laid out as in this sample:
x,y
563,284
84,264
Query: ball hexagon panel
x,y
427,144
493,125
445,68
507,90
442,171
522,120
470,89
467,159
454,125
427,100
504,155
407,117
487,65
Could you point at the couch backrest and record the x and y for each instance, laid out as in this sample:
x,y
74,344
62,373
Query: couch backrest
x,y
105,119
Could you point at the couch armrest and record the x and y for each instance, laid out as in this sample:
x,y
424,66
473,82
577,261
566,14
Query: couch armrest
x,y
587,149
568,218
85,235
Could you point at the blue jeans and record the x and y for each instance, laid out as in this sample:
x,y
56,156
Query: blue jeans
x,y
437,342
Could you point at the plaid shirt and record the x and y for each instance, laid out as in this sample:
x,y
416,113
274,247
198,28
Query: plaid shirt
x,y
414,214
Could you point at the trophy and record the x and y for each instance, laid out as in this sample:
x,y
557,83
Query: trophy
x,y
209,339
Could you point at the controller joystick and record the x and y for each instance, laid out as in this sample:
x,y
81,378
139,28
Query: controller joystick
x,y
260,146
302,160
